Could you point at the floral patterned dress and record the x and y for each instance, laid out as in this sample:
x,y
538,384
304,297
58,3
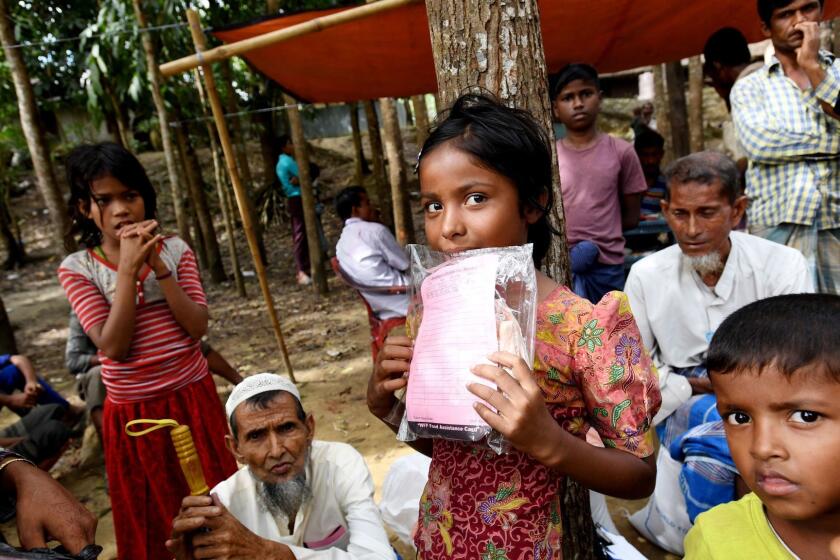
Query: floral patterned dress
x,y
593,372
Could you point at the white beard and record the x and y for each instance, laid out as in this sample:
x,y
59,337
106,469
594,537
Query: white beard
x,y
710,263
284,497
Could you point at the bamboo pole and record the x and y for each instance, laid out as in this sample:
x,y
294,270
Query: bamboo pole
x,y
403,223
359,163
312,26
239,190
695,104
307,199
421,119
381,195
222,192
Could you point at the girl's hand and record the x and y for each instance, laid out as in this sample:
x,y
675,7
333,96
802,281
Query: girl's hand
x,y
390,374
521,413
32,388
136,241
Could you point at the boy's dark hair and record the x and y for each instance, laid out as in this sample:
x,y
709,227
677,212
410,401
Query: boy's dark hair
x,y
649,138
349,198
260,401
705,168
89,162
785,332
572,72
505,140
728,47
766,7
282,140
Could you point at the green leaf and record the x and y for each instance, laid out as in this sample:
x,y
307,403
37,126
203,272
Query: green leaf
x,y
619,408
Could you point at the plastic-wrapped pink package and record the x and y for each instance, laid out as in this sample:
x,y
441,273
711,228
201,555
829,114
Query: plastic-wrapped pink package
x,y
464,307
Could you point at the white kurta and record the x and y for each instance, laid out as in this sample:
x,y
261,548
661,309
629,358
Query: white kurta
x,y
339,522
677,313
371,256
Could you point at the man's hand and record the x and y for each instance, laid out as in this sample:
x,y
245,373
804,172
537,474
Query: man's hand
x,y
33,389
227,538
808,55
46,510
22,400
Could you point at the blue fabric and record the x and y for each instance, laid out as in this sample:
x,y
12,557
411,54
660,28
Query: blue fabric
x,y
590,278
653,196
286,169
12,379
707,478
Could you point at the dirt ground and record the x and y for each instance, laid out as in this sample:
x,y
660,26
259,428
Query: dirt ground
x,y
327,338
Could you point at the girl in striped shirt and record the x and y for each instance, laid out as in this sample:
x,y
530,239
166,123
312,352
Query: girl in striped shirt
x,y
139,298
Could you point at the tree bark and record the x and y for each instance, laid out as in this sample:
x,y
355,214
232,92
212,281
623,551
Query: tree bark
x,y
403,223
409,114
119,116
677,109
8,345
33,132
313,240
497,46
198,195
360,167
660,110
163,120
231,106
381,196
421,119
695,103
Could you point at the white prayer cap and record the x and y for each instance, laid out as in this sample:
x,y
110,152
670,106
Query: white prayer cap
x,y
256,384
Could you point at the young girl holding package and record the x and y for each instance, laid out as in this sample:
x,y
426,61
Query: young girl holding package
x,y
139,298
485,181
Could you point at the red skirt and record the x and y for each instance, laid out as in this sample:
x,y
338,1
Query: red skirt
x,y
144,476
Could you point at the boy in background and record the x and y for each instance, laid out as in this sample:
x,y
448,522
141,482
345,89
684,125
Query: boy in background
x,y
602,184
650,148
775,368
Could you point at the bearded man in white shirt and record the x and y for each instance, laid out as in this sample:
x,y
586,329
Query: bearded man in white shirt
x,y
369,253
297,497
681,294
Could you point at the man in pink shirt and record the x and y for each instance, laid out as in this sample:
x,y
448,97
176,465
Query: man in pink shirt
x,y
602,183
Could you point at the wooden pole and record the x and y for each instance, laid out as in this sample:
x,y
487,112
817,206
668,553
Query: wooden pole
x,y
660,109
163,118
695,103
380,193
239,190
677,109
222,192
312,26
307,196
403,224
421,119
359,162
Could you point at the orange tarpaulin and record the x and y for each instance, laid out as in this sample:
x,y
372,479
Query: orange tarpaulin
x,y
390,54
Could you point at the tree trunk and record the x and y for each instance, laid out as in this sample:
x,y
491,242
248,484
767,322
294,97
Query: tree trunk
x,y
313,240
695,103
381,196
409,117
119,116
677,109
163,120
360,167
498,46
403,223
7,334
421,119
660,110
238,137
16,256
33,131
199,248
198,195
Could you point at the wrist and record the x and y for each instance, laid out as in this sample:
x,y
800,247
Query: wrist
x,y
553,452
162,273
272,550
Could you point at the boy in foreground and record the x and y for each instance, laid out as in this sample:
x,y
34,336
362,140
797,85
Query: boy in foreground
x,y
775,368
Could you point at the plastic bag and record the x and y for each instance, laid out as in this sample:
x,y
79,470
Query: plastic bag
x,y
463,307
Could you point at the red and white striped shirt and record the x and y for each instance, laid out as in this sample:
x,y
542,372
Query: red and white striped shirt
x,y
162,357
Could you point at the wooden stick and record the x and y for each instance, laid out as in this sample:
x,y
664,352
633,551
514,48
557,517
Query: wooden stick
x,y
238,188
312,26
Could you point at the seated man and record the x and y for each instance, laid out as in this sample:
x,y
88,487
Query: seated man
x,y
296,498
82,360
681,294
369,253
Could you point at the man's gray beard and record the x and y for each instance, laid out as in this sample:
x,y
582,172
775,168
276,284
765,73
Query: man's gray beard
x,y
710,263
284,497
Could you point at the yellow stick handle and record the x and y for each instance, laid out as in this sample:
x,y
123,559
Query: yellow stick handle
x,y
184,448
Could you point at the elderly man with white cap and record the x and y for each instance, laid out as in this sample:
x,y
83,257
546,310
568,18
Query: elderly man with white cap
x,y
296,497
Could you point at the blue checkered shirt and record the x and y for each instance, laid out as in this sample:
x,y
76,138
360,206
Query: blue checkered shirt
x,y
792,145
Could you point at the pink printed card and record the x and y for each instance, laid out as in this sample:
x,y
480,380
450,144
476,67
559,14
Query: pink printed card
x,y
457,331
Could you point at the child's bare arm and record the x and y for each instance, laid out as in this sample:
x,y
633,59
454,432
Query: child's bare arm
x,y
192,316
631,210
522,417
389,376
26,368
